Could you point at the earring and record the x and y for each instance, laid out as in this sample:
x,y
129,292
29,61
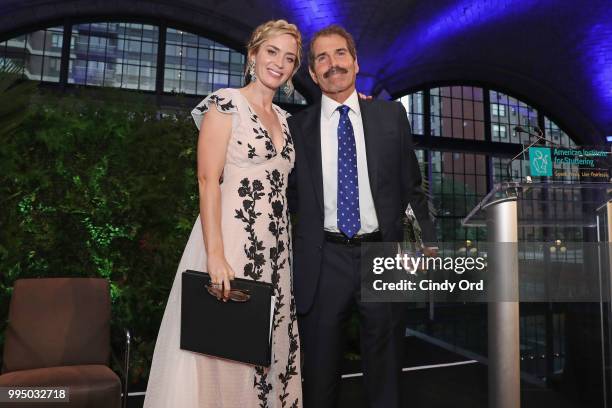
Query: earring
x,y
287,88
252,71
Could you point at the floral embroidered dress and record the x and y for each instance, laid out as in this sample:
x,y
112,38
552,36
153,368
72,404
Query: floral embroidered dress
x,y
256,239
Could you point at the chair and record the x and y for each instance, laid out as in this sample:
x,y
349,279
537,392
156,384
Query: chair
x,y
58,334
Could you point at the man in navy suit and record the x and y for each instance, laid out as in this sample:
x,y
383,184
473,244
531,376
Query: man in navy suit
x,y
356,172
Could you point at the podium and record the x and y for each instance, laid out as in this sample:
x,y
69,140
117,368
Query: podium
x,y
507,208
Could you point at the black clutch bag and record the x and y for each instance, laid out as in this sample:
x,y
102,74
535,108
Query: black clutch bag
x,y
239,330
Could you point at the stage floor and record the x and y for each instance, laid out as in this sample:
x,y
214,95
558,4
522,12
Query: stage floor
x,y
434,378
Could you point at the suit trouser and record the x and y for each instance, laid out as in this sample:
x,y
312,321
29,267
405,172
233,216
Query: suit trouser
x,y
382,327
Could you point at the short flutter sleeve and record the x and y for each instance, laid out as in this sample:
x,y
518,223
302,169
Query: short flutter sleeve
x,y
222,99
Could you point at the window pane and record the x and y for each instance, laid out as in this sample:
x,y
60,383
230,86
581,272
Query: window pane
x,y
554,133
458,182
508,112
413,104
35,53
457,112
197,65
120,55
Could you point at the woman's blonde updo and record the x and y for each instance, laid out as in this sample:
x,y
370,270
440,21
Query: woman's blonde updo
x,y
271,29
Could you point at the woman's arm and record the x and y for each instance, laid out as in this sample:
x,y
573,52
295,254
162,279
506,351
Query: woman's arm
x,y
215,133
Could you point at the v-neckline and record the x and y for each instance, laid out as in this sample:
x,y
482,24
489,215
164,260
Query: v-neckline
x,y
267,132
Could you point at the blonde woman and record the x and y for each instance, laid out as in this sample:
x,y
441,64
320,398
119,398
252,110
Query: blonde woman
x,y
245,153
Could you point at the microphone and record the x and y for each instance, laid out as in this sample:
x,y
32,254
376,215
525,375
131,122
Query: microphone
x,y
539,134
521,129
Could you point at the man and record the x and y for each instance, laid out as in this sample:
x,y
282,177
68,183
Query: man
x,y
355,174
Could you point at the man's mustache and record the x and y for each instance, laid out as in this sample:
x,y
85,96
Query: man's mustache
x,y
335,70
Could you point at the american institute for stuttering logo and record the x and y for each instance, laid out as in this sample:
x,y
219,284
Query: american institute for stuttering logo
x,y
540,161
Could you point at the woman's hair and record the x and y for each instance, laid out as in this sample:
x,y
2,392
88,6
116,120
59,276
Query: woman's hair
x,y
271,29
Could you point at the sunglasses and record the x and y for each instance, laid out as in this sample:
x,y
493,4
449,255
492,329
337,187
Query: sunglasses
x,y
235,295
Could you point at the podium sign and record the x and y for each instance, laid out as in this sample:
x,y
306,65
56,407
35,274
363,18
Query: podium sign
x,y
591,163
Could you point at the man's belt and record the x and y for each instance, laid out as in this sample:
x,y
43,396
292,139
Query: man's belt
x,y
340,238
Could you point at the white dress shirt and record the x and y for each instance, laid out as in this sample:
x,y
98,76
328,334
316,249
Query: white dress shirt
x,y
329,160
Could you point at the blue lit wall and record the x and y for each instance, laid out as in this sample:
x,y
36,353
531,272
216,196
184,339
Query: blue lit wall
x,y
598,66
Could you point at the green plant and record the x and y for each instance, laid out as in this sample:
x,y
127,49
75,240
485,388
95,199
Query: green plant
x,y
101,187
15,95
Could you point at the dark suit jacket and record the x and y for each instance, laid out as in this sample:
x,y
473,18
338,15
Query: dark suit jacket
x,y
395,180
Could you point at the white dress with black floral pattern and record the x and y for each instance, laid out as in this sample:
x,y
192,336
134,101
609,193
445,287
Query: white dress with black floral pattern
x,y
256,239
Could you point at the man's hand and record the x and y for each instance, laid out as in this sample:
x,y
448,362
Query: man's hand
x,y
364,96
430,252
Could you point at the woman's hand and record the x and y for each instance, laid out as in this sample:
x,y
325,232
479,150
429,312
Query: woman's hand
x,y
221,274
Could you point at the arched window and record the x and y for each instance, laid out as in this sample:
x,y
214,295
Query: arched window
x,y
459,178
127,55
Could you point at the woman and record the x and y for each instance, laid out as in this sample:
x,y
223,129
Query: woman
x,y
245,153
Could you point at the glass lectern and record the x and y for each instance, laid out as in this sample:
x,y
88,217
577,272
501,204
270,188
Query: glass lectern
x,y
509,207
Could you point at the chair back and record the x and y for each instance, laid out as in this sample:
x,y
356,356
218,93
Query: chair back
x,y
57,322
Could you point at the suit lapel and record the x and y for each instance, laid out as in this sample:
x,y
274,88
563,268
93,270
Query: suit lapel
x,y
312,140
369,133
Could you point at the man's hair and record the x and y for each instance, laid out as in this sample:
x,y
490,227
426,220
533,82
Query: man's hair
x,y
327,31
